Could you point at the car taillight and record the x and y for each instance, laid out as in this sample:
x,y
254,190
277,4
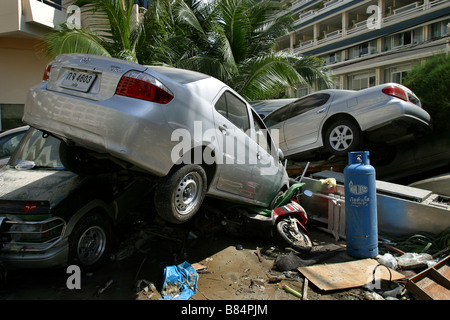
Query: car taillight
x,y
47,72
395,91
143,86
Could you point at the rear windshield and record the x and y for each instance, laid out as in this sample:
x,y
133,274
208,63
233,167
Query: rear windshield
x,y
180,75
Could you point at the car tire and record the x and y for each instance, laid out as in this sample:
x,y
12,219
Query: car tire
x,y
342,137
90,242
180,194
78,160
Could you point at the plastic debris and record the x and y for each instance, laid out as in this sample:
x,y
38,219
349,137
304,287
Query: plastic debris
x,y
388,260
412,260
180,282
330,182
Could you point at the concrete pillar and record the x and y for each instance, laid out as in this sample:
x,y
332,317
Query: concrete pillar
x,y
292,41
344,23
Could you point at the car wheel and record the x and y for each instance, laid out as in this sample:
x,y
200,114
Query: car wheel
x,y
90,242
78,160
342,137
180,194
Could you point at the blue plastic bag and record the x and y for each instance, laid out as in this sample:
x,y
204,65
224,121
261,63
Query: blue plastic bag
x,y
180,282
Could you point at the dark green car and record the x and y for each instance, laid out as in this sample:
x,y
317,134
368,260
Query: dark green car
x,y
51,217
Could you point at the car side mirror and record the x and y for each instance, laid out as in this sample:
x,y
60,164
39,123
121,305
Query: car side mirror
x,y
280,155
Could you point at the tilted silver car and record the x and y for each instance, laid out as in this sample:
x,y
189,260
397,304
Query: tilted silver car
x,y
191,130
339,119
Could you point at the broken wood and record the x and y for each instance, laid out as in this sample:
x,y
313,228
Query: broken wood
x,y
432,283
305,289
258,254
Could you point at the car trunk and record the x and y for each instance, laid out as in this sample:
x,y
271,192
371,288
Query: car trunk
x,y
88,76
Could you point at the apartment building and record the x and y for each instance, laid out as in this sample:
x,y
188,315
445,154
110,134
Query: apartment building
x,y
23,23
368,42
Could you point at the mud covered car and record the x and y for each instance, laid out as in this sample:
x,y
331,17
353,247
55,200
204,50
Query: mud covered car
x,y
340,121
51,217
189,129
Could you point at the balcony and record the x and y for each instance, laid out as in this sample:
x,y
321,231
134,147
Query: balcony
x,y
29,18
44,14
390,17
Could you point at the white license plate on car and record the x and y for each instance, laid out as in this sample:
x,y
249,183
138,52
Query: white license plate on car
x,y
78,80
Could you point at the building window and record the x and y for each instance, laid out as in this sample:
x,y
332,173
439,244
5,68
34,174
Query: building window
x,y
396,74
407,38
363,49
362,80
439,29
11,116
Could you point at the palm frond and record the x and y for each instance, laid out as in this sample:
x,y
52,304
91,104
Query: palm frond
x,y
74,41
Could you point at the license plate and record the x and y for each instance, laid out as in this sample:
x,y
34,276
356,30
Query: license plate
x,y
78,80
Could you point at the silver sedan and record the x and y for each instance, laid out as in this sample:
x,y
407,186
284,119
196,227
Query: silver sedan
x,y
188,129
339,120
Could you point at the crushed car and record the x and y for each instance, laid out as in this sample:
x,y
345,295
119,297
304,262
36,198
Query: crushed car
x,y
193,132
340,120
51,217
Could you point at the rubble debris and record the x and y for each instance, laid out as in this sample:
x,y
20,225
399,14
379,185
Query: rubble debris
x,y
106,286
347,275
412,260
258,254
180,282
292,260
305,289
432,283
291,291
388,260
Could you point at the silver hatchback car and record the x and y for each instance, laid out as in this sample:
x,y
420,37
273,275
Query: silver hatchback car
x,y
191,130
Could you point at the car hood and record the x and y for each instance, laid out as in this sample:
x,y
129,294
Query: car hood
x,y
36,185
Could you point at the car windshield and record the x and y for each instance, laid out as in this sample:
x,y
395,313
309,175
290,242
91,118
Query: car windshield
x,y
37,150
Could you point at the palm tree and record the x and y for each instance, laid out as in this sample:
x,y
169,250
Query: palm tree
x,y
115,27
233,40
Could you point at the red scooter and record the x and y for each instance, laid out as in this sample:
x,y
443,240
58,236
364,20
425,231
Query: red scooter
x,y
288,219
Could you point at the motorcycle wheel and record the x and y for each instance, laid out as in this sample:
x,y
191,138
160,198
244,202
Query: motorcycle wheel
x,y
296,238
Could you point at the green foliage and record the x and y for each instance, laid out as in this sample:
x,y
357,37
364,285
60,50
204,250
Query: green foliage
x,y
429,81
114,30
233,40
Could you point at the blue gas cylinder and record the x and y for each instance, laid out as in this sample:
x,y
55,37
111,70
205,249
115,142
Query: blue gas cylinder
x,y
361,225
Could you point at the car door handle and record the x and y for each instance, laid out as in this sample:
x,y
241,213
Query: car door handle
x,y
321,110
258,155
223,128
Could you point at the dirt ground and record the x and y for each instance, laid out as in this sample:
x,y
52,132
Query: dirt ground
x,y
231,267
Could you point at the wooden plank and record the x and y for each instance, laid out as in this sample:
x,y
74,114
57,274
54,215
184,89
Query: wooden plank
x,y
347,275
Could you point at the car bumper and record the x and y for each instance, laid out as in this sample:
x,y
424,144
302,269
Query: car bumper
x,y
394,122
128,129
52,258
